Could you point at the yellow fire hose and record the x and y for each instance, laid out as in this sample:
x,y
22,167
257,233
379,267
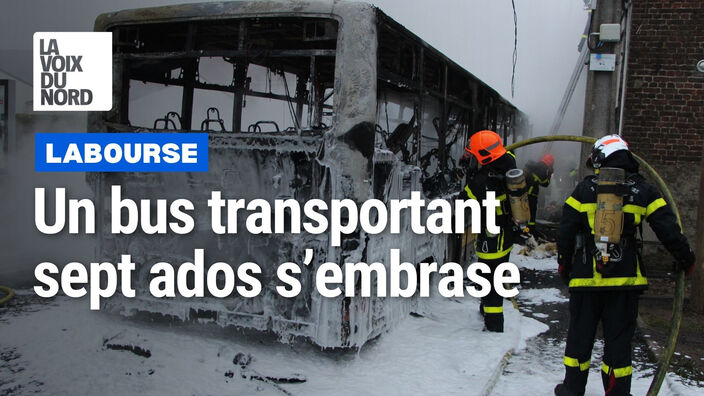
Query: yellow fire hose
x,y
10,293
669,349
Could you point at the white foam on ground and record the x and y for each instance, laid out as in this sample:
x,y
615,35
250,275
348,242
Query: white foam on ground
x,y
531,262
445,352
541,296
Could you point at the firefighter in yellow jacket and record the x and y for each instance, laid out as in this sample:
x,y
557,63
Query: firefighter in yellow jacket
x,y
538,175
602,265
492,249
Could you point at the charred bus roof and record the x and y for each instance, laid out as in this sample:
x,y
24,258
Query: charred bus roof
x,y
227,10
352,12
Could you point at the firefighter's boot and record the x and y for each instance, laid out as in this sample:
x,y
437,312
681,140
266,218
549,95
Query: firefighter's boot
x,y
562,390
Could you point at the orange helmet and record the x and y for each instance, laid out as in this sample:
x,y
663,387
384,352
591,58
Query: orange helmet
x,y
548,160
486,146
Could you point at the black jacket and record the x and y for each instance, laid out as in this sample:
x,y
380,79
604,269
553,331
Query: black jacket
x,y
491,178
537,174
575,242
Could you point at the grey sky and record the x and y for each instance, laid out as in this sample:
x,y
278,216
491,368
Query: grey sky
x,y
477,34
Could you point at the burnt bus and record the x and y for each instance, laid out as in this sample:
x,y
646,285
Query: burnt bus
x,y
301,100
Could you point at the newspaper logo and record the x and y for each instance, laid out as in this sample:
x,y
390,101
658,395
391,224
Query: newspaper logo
x,y
72,71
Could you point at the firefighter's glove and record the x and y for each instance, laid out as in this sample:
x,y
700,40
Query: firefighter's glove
x,y
563,267
686,261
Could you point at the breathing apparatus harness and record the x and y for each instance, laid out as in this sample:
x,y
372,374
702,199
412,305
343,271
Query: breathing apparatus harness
x,y
486,146
517,203
517,187
612,189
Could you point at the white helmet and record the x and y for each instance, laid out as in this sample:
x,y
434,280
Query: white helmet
x,y
603,148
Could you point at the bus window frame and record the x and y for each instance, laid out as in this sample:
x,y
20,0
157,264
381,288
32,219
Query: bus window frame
x,y
188,80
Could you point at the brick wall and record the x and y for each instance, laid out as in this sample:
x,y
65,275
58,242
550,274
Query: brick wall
x,y
664,110
664,119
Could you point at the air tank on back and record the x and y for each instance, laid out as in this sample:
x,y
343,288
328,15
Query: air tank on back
x,y
520,208
608,219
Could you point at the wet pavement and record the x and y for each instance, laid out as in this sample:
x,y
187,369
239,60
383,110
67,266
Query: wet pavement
x,y
540,365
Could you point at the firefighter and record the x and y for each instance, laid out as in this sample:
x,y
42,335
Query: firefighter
x,y
492,249
537,174
606,279
574,177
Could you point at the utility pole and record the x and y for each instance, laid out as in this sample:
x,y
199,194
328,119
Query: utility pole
x,y
601,102
697,294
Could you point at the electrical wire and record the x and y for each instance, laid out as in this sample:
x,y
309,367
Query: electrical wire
x,y
386,111
599,44
567,97
515,48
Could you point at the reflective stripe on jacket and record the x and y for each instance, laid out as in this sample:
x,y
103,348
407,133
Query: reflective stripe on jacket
x,y
537,174
491,178
576,241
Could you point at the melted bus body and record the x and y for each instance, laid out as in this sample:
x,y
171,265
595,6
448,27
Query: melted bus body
x,y
301,101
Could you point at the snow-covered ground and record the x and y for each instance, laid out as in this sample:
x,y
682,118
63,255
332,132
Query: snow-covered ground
x,y
540,260
541,296
537,368
59,347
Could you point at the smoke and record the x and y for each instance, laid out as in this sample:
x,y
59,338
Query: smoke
x,y
22,246
477,35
